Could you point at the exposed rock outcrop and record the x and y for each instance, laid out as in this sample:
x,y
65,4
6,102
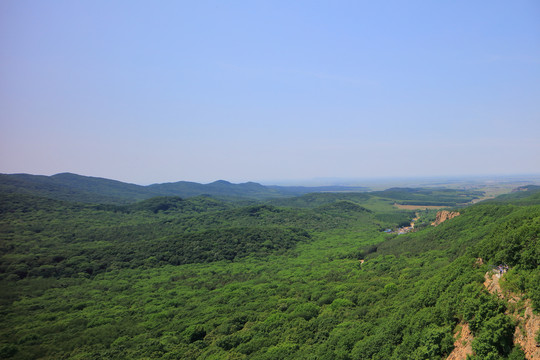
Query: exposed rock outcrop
x,y
528,323
491,283
528,326
462,345
444,215
479,262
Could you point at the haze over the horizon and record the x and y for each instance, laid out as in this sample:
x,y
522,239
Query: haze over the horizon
x,y
269,90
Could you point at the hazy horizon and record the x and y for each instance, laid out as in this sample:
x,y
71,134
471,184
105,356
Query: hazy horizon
x,y
366,182
263,91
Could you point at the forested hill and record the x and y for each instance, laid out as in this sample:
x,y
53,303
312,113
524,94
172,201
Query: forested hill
x,y
72,187
310,277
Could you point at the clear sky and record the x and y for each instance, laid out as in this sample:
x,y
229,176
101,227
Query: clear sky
x,y
157,91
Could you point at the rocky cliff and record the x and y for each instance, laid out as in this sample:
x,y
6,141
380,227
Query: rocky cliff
x,y
444,215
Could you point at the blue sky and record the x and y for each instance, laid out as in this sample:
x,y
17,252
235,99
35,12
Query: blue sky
x,y
149,92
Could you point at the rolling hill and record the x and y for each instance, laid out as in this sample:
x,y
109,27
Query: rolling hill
x,y
306,277
73,187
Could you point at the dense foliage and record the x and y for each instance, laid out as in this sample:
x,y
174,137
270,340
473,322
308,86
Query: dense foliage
x,y
200,278
55,239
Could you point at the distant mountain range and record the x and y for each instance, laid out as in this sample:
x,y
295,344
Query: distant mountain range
x,y
73,187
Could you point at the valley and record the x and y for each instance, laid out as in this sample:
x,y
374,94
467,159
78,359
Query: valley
x,y
311,276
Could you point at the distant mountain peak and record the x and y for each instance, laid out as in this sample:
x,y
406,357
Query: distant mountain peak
x,y
65,174
252,183
220,182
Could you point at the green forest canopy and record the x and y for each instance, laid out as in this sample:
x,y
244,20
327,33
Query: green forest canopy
x,y
202,278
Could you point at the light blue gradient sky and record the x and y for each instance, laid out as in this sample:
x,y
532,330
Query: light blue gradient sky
x,y
148,92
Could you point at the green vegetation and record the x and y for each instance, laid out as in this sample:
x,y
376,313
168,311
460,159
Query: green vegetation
x,y
525,195
203,278
73,187
429,197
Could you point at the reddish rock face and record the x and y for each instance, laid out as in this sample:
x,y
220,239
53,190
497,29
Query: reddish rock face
x,y
444,215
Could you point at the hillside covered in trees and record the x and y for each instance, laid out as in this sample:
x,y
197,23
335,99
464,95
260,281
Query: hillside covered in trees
x,y
88,189
308,277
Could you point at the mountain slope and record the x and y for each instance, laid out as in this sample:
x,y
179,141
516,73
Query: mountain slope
x,y
73,187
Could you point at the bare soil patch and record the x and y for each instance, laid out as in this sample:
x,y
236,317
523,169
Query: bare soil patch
x,y
418,207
